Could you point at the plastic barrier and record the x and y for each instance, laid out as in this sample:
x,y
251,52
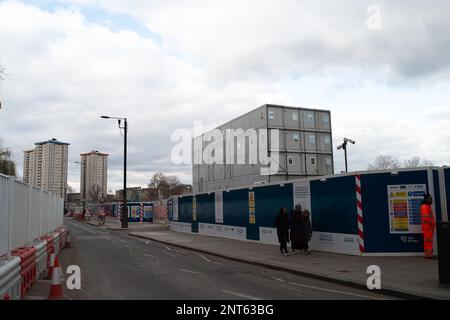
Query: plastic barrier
x,y
56,237
10,278
27,256
41,257
50,246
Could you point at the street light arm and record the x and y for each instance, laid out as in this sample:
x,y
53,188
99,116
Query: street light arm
x,y
113,118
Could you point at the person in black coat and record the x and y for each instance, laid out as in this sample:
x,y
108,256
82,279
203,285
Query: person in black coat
x,y
282,224
297,226
308,230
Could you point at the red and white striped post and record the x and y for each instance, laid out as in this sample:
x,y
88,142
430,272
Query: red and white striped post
x,y
141,213
360,213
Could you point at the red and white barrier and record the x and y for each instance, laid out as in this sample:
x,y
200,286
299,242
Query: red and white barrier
x,y
360,213
41,257
10,278
27,256
23,266
141,213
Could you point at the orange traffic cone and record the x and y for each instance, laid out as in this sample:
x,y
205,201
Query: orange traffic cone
x,y
51,265
56,289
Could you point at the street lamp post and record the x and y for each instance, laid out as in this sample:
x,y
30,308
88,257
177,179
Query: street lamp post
x,y
124,219
344,147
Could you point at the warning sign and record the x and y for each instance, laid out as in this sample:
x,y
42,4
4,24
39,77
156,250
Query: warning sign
x,y
251,207
404,207
194,209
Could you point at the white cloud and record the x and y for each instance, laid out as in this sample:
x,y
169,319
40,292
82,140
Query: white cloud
x,y
217,60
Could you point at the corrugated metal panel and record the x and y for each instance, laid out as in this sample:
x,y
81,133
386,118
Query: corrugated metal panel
x,y
308,119
275,117
19,217
291,118
293,141
310,139
4,214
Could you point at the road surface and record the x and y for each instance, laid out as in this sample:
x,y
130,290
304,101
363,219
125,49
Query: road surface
x,y
117,266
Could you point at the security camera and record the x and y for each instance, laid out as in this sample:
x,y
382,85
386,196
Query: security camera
x,y
340,147
349,140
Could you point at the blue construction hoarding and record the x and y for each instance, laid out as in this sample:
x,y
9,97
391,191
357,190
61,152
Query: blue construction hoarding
x,y
134,211
371,212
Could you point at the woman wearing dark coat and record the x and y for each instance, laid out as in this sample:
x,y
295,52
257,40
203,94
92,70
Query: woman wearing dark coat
x,y
297,227
282,224
308,230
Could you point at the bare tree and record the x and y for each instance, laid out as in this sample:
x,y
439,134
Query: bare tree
x,y
167,186
416,162
7,165
95,194
384,162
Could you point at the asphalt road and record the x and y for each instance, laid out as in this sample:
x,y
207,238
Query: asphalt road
x,y
117,266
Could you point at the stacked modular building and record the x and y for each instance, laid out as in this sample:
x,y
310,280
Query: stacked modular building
x,y
304,148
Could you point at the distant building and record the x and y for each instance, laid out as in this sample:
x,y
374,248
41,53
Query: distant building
x,y
94,175
298,140
45,166
73,199
137,194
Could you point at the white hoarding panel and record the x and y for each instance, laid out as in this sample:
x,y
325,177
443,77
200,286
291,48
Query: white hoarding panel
x,y
335,243
302,194
214,230
268,235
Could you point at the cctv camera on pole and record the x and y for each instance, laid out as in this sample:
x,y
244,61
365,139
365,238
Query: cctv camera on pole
x,y
344,147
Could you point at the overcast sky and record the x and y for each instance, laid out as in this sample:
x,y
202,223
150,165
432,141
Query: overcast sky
x,y
165,64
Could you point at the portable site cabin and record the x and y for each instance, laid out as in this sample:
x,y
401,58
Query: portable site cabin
x,y
360,213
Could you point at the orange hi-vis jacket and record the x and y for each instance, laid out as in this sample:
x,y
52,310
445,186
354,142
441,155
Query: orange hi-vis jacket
x,y
428,225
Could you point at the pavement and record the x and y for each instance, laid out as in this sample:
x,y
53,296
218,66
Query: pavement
x,y
113,224
406,277
115,265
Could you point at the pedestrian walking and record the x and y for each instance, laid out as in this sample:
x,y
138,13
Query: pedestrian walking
x,y
428,225
297,230
308,230
282,224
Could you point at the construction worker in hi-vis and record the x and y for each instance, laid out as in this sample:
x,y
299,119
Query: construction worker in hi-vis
x,y
428,225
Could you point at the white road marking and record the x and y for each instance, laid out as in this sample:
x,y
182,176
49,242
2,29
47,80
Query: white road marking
x,y
207,260
280,280
336,291
172,250
241,295
189,271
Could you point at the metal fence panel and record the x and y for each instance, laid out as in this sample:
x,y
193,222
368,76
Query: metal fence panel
x,y
19,216
34,213
45,218
26,213
4,214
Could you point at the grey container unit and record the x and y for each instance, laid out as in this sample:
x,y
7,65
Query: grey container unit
x,y
305,148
